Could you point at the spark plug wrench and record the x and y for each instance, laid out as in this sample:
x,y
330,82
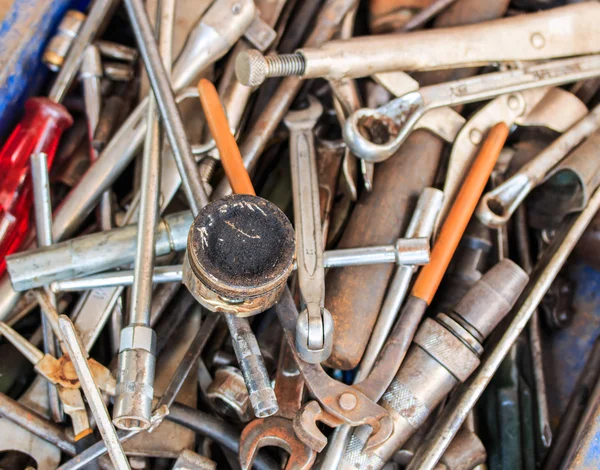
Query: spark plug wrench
x,y
314,330
137,355
400,115
497,206
535,36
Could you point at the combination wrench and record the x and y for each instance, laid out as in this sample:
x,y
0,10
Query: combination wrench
x,y
399,116
314,329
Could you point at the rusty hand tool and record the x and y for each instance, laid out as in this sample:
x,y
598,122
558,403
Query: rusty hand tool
x,y
278,430
425,286
137,345
399,116
344,404
465,398
251,226
314,331
534,38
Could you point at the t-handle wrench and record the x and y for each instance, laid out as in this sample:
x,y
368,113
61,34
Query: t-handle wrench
x,y
314,329
400,115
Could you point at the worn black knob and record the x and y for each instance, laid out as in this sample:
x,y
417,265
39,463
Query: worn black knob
x,y
240,253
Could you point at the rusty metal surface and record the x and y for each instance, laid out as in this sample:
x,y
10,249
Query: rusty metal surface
x,y
354,294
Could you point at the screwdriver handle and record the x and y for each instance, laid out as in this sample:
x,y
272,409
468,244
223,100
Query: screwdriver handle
x,y
38,132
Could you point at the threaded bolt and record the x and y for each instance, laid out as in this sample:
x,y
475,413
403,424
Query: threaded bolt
x,y
252,68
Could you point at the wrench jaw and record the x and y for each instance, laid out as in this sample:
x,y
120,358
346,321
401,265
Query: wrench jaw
x,y
278,432
305,426
314,336
374,135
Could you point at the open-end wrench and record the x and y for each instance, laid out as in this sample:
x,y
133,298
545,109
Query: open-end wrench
x,y
337,403
399,116
279,430
314,330
497,206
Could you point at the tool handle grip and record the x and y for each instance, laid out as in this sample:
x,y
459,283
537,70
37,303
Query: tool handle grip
x,y
38,132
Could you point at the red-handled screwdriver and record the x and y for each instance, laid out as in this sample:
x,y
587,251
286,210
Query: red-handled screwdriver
x,y
40,130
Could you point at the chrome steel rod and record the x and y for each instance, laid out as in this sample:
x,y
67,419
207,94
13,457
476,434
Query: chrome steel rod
x,y
159,80
42,204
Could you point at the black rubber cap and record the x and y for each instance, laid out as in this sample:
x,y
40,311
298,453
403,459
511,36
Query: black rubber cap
x,y
241,245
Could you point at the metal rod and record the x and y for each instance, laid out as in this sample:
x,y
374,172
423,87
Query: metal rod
x,y
92,394
135,387
35,424
465,398
426,14
533,330
182,152
42,204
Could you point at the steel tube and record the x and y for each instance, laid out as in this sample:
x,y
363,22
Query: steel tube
x,y
36,268
42,204
163,274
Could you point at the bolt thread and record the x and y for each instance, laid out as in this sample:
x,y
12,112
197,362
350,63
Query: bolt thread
x,y
285,65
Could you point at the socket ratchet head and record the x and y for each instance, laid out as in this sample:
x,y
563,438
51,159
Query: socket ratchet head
x,y
240,253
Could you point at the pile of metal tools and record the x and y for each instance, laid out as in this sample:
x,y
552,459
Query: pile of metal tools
x,y
329,234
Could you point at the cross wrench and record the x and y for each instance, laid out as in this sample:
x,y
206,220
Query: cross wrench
x,y
497,206
314,330
278,430
400,115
